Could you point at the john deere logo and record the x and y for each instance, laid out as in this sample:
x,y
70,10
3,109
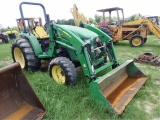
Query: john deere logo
x,y
64,32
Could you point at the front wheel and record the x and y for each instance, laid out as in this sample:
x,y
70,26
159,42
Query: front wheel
x,y
136,41
63,71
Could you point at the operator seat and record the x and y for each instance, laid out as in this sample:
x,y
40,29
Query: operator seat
x,y
40,33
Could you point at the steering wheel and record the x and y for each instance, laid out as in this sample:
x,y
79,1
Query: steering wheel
x,y
46,25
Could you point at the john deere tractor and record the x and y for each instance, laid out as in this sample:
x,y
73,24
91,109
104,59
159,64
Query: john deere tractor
x,y
67,47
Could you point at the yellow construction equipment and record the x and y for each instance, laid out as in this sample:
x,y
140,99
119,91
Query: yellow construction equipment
x,y
78,17
135,31
144,25
154,19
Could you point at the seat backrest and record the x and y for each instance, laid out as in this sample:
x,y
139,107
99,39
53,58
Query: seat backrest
x,y
40,33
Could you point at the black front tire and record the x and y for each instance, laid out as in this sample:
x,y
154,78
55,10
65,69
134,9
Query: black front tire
x,y
136,41
30,61
68,68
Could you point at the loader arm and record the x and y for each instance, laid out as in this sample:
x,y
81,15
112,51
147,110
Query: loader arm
x,y
78,17
155,29
104,38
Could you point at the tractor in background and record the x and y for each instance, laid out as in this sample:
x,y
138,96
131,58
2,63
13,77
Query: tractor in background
x,y
68,47
4,38
154,19
135,31
11,34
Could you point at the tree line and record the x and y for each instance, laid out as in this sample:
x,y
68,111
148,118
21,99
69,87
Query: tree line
x,y
95,20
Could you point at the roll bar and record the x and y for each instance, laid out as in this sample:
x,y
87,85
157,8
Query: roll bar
x,y
46,16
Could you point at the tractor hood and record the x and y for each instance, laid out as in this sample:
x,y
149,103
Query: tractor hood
x,y
81,32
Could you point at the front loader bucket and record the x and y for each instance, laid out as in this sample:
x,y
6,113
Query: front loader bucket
x,y
117,88
17,98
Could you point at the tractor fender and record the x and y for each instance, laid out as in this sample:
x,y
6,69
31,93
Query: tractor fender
x,y
34,42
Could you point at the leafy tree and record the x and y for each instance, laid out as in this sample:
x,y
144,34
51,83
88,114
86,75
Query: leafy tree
x,y
58,21
92,21
97,18
133,17
66,22
71,22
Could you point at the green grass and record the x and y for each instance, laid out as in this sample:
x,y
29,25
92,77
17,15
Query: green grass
x,y
5,53
73,103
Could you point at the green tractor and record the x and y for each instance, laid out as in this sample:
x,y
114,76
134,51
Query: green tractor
x,y
68,47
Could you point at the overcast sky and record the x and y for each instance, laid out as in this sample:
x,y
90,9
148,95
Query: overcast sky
x,y
60,9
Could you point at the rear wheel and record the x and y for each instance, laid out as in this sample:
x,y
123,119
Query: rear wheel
x,y
23,53
63,71
136,41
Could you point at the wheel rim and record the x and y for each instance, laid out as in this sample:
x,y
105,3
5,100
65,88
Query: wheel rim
x,y
58,74
18,55
136,41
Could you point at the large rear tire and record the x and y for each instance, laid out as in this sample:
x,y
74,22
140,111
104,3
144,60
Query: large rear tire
x,y
23,53
63,71
107,31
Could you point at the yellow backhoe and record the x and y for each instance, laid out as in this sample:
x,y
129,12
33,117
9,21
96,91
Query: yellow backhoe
x,y
135,31
78,17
